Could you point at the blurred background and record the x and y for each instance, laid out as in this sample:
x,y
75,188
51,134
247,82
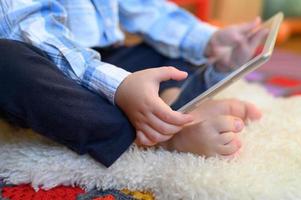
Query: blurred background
x,y
282,74
226,12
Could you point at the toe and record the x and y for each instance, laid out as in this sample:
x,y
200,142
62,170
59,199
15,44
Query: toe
x,y
226,138
227,123
253,113
230,148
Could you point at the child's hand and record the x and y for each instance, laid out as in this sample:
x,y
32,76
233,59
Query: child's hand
x,y
138,97
233,46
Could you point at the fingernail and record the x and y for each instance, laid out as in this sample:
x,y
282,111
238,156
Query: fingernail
x,y
238,124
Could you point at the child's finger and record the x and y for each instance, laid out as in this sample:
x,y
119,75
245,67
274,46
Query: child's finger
x,y
248,27
169,73
153,135
161,126
141,139
256,39
166,114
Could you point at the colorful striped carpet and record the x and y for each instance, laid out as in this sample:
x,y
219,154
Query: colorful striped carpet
x,y
26,192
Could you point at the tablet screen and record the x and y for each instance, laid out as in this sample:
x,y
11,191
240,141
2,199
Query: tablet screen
x,y
232,58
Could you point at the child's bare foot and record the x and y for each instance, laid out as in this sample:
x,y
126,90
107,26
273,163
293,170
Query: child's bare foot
x,y
214,131
213,136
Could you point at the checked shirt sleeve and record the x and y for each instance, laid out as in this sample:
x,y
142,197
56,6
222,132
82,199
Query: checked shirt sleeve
x,y
171,30
43,24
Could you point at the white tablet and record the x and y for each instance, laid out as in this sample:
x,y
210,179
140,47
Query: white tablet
x,y
264,52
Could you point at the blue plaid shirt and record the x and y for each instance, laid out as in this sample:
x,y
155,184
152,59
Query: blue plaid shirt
x,y
65,29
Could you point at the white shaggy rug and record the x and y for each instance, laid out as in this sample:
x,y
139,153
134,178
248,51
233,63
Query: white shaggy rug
x,y
268,167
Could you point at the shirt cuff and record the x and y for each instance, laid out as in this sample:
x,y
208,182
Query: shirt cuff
x,y
195,42
212,76
106,78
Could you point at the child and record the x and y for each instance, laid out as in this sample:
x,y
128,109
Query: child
x,y
53,80
35,94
